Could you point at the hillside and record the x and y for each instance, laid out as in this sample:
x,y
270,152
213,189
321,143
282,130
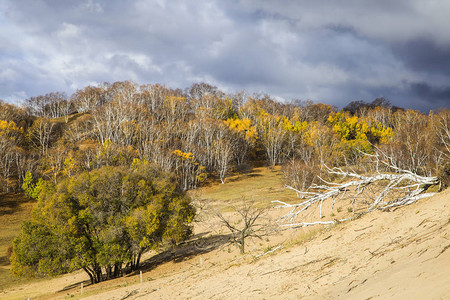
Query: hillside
x,y
14,209
399,254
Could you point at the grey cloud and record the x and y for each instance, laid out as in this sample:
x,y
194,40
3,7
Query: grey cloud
x,y
424,55
439,96
322,50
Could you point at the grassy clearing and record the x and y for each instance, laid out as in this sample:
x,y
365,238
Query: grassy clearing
x,y
261,185
14,209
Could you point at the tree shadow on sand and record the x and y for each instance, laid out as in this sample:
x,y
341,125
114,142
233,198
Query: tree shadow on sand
x,y
195,246
86,282
198,244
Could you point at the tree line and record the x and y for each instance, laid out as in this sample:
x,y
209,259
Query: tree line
x,y
203,132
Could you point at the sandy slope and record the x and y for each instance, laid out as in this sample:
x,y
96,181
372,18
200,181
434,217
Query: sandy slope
x,y
403,254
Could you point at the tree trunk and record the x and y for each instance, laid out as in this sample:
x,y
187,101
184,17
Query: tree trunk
x,y
98,273
242,244
108,271
138,260
91,276
117,269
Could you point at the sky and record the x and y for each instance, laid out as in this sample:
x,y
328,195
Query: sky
x,y
327,51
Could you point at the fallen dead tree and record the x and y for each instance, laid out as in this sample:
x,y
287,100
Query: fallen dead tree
x,y
392,187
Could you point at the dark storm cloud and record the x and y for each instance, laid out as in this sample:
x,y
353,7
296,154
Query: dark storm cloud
x,y
424,55
439,96
425,90
329,51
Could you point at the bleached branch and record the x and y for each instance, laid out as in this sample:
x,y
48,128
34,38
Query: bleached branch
x,y
399,188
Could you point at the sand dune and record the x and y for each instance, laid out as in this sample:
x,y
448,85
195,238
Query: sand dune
x,y
385,255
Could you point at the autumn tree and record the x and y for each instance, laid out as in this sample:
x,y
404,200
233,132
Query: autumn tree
x,y
87,99
198,90
360,107
379,115
301,169
322,140
102,221
10,136
412,146
175,109
41,134
223,154
213,107
244,136
238,99
52,105
10,112
189,172
53,163
295,137
441,124
315,112
120,121
272,135
155,143
356,136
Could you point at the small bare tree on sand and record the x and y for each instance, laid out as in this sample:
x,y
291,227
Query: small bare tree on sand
x,y
247,221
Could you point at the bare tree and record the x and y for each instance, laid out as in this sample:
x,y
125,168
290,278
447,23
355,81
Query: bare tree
x,y
198,90
41,134
299,174
6,167
175,109
411,148
442,130
52,105
79,130
247,223
272,135
223,154
87,99
202,133
394,188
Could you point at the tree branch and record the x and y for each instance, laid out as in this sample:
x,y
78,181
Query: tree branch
x,y
396,188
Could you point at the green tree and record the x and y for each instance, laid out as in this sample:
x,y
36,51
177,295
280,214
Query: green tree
x,y
28,185
102,221
31,189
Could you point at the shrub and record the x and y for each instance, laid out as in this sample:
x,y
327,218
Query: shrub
x,y
299,175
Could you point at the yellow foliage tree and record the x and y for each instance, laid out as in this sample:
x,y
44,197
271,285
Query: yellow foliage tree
x,y
243,127
189,172
9,130
352,128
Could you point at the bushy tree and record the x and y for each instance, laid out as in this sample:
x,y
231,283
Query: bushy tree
x,y
102,221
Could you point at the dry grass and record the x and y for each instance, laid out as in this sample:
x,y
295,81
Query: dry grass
x,y
14,209
261,185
